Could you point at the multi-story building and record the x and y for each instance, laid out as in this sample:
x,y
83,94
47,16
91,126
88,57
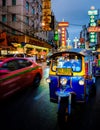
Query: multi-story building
x,y
23,18
22,15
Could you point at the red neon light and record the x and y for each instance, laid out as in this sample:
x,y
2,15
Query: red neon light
x,y
94,29
62,24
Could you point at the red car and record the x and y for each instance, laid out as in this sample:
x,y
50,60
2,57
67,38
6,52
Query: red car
x,y
17,73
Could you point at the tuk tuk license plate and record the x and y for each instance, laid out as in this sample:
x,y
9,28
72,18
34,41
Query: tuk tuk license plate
x,y
64,71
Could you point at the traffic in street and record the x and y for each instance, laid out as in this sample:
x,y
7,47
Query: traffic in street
x,y
31,109
49,65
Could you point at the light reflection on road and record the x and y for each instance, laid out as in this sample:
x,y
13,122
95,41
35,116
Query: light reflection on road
x,y
43,84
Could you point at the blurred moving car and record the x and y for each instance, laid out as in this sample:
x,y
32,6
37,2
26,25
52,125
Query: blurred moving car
x,y
18,73
24,55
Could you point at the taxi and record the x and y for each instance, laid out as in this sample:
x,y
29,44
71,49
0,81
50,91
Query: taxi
x,y
18,73
71,78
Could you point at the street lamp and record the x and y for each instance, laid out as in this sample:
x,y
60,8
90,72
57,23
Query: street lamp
x,y
75,42
68,42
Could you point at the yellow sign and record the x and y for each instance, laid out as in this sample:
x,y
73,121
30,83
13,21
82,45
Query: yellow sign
x,y
46,12
46,19
64,71
46,4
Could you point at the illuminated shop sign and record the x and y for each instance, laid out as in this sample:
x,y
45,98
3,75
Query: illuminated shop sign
x,y
63,36
63,24
93,29
46,15
93,12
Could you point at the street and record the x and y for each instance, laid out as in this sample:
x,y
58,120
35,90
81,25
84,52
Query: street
x,y
31,109
37,36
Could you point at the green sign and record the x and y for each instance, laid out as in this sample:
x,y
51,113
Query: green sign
x,y
93,12
56,37
93,37
82,46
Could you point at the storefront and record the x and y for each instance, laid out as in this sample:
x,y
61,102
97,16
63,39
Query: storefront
x,y
30,45
4,48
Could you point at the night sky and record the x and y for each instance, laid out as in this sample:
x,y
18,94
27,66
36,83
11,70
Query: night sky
x,y
75,12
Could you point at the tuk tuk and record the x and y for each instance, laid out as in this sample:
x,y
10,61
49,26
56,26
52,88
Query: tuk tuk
x,y
71,78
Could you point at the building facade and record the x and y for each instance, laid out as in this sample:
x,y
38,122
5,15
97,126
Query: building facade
x,y
23,18
22,15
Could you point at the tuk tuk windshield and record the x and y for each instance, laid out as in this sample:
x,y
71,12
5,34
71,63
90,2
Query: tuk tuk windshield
x,y
67,61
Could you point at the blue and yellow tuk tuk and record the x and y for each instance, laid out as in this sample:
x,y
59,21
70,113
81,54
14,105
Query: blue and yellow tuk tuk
x,y
71,78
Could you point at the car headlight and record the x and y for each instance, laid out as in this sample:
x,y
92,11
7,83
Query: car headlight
x,y
81,82
63,81
48,80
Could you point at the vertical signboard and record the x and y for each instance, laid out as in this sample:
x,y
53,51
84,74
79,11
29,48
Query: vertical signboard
x,y
46,15
92,34
62,26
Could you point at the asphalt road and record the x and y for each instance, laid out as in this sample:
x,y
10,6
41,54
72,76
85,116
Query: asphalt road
x,y
31,109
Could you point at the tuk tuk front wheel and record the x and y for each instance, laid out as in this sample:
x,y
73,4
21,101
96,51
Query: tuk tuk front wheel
x,y
63,110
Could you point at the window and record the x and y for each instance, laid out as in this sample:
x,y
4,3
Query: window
x,y
27,6
11,65
24,63
4,19
67,61
33,11
13,31
27,20
13,17
3,2
13,2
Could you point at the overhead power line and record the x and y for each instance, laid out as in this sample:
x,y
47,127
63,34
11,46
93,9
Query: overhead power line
x,y
76,24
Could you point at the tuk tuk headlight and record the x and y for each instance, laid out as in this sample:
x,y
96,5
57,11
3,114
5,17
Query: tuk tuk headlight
x,y
63,81
81,82
48,80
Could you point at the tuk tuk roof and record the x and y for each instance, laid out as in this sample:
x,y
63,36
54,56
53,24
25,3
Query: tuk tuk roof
x,y
77,51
